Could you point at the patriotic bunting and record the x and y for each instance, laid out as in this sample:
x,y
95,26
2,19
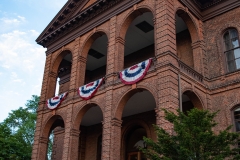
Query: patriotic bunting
x,y
54,102
135,73
87,91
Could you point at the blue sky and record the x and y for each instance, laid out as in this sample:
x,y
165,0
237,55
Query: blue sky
x,y
21,59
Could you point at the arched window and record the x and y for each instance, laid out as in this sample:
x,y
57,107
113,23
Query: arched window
x,y
232,49
237,118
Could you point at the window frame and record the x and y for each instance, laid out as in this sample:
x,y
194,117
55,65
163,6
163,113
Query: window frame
x,y
234,119
225,51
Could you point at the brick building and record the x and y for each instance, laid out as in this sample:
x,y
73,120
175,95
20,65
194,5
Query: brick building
x,y
194,46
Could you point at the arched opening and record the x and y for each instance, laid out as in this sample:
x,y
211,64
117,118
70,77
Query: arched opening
x,y
90,140
96,58
190,101
138,114
64,73
139,38
183,38
232,49
133,140
54,135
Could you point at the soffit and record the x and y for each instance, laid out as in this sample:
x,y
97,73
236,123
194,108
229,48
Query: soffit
x,y
72,17
204,4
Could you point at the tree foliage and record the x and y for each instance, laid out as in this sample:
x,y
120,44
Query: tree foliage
x,y
193,138
17,132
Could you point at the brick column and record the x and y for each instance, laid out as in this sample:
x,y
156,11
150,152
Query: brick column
x,y
167,60
115,139
198,56
67,135
57,147
74,69
38,140
74,142
107,133
42,150
113,54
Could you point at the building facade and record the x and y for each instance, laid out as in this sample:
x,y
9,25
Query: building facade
x,y
195,60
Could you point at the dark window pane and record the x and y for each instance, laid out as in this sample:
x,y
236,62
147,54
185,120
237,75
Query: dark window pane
x,y
231,66
237,126
233,33
237,117
228,45
226,37
230,55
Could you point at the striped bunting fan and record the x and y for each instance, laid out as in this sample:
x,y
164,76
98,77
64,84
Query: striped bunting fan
x,y
135,73
54,102
87,91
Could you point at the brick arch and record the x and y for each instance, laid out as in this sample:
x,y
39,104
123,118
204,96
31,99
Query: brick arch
x,y
54,71
59,58
189,21
130,17
47,127
52,122
127,128
90,40
233,105
139,122
82,55
194,97
81,112
117,114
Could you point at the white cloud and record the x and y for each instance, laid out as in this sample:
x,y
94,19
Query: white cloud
x,y
18,50
8,22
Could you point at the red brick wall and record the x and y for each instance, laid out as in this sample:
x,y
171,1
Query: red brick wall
x,y
184,47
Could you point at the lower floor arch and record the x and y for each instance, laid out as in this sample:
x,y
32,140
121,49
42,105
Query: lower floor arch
x,y
138,117
90,137
189,101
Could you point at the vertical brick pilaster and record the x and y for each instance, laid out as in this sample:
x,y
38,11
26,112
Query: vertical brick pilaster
x,y
116,139
67,125
165,38
165,44
198,56
111,49
42,150
74,69
57,143
38,143
74,141
107,134
168,96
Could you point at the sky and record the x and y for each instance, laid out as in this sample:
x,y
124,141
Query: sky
x,y
22,60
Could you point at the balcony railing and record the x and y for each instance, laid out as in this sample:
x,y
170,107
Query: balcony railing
x,y
190,71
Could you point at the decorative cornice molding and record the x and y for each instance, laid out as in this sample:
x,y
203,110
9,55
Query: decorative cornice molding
x,y
84,22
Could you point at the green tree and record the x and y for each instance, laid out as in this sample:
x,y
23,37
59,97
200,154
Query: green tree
x,y
192,139
17,132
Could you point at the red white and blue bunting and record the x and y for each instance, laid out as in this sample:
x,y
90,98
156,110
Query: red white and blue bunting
x,y
135,73
87,91
54,102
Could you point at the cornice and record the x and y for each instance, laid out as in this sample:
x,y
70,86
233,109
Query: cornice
x,y
84,22
210,10
95,10
61,16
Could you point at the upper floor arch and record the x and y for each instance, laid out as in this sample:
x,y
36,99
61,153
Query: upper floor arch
x,y
60,73
189,22
141,95
136,34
